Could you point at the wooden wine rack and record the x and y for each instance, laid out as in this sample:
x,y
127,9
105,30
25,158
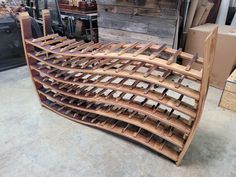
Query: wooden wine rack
x,y
134,90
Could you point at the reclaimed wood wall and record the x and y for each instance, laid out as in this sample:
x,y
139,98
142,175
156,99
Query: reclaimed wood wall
x,y
137,20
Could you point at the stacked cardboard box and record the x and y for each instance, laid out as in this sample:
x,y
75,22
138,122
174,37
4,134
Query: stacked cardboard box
x,y
225,59
228,99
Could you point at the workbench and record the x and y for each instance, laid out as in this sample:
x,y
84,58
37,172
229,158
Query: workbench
x,y
82,15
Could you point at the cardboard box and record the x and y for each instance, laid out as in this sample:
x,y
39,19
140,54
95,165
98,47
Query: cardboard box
x,y
228,98
225,59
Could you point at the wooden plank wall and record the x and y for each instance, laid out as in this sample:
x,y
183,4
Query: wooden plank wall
x,y
137,20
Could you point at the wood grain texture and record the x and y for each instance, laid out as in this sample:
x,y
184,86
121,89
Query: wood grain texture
x,y
153,18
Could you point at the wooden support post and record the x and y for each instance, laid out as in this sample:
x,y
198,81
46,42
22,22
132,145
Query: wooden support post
x,y
26,33
47,22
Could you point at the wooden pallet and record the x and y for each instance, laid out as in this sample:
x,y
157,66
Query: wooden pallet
x,y
135,90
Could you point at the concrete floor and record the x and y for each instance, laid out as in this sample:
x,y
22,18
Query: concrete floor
x,y
36,142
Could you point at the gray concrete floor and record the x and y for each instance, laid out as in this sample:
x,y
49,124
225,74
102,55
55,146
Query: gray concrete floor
x,y
36,142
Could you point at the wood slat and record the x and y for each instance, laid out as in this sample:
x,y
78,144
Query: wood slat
x,y
141,50
173,58
103,47
53,41
92,47
158,61
138,76
167,100
184,55
71,46
64,43
147,125
158,51
133,106
114,48
51,36
83,46
125,50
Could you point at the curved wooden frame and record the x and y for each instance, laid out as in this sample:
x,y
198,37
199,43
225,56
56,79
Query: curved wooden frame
x,y
134,90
